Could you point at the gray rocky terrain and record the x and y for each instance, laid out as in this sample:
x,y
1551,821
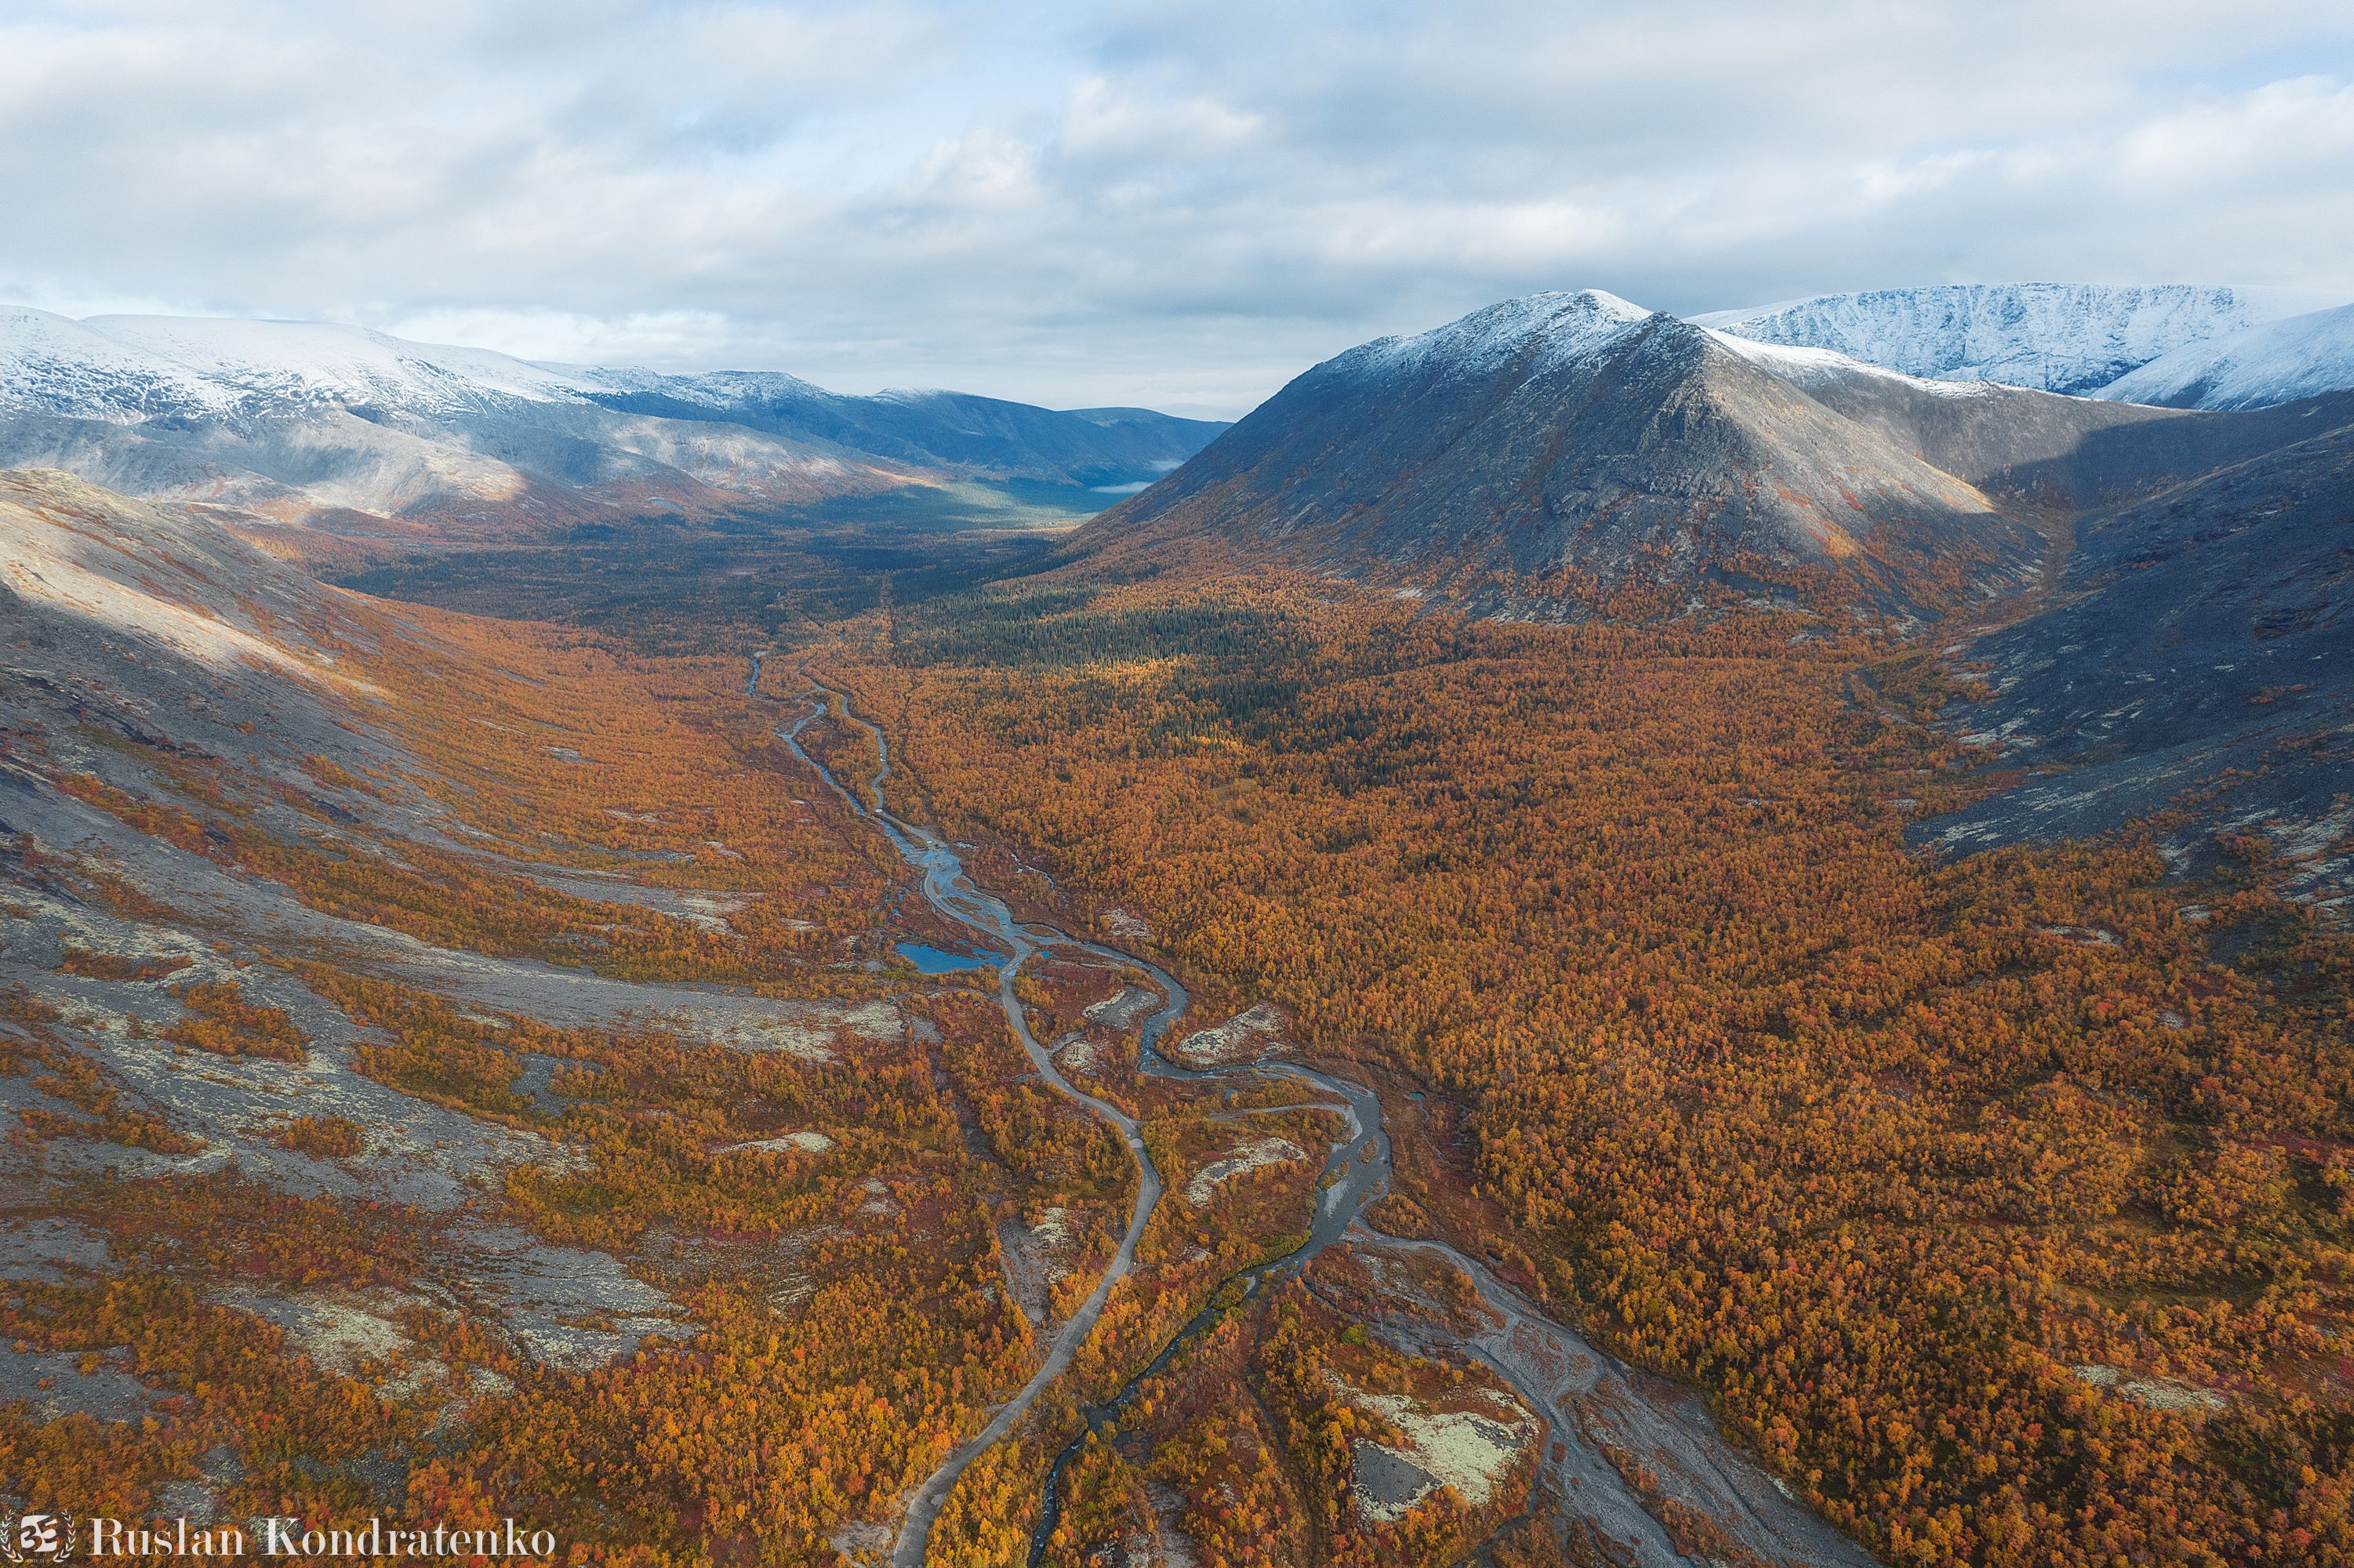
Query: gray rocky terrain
x,y
132,632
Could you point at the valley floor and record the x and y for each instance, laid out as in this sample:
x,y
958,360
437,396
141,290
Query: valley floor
x,y
1454,1090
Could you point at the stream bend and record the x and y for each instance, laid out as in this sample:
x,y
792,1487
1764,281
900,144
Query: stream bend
x,y
1588,1401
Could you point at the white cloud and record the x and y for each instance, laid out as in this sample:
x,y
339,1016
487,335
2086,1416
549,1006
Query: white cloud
x,y
1139,202
1109,120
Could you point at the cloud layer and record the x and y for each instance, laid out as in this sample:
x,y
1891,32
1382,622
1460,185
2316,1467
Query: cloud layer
x,y
1176,205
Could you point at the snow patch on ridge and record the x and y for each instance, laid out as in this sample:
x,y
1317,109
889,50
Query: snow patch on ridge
x,y
314,362
1806,368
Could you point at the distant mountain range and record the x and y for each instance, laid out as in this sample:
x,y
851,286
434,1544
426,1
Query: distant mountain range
x,y
372,441
2175,344
2255,367
347,444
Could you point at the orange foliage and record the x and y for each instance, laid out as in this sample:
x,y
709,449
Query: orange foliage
x,y
1875,1150
219,1019
322,1136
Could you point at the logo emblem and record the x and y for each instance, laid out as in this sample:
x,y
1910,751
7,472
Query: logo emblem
x,y
37,1538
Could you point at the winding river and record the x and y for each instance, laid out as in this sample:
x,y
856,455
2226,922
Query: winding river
x,y
1587,1402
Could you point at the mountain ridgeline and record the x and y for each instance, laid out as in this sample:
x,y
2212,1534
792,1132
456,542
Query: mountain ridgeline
x,y
954,431
1868,459
1553,448
2054,337
1542,450
2176,345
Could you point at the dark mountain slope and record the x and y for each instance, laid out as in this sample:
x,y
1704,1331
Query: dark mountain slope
x,y
2207,644
2070,453
2135,458
1575,441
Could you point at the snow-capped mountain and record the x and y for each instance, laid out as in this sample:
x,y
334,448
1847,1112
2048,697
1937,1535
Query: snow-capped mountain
x,y
2054,337
283,364
2275,361
1582,441
1579,440
342,428
59,366
129,368
1535,331
1569,455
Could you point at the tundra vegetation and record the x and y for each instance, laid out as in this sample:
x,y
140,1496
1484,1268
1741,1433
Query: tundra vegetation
x,y
485,1085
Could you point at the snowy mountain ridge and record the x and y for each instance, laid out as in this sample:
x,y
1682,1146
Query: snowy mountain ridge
x,y
1814,367
1560,325
2083,339
128,368
1563,439
2272,362
57,365
124,368
2075,338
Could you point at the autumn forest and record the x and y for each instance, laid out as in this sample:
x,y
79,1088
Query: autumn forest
x,y
514,1067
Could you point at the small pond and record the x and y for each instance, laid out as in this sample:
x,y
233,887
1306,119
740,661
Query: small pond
x,y
933,961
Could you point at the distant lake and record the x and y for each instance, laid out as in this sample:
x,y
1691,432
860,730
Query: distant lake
x,y
932,961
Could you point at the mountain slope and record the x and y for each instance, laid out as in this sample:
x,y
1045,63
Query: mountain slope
x,y
2056,337
255,833
2206,642
81,556
2274,362
1577,438
1981,431
343,471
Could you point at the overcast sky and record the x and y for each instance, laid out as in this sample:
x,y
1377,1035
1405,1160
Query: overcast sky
x,y
1173,205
